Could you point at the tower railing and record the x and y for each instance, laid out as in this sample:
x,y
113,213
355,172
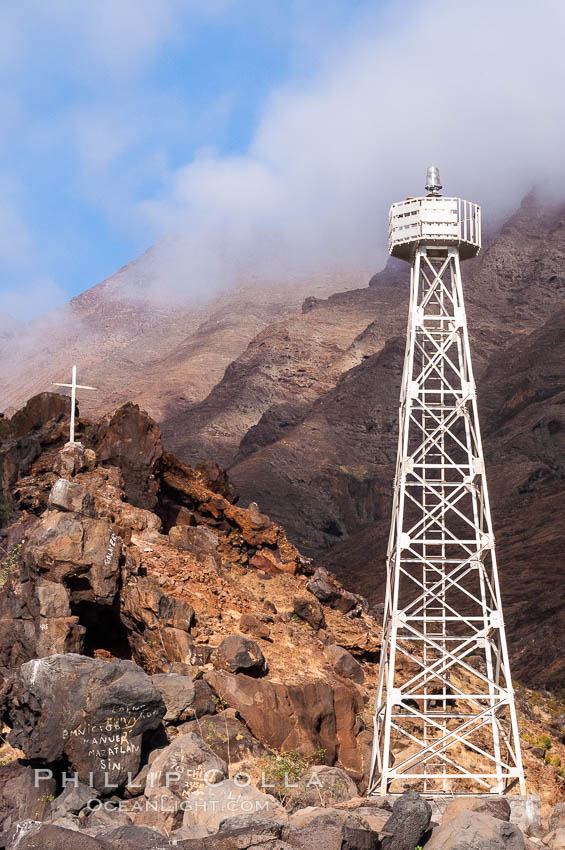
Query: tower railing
x,y
434,219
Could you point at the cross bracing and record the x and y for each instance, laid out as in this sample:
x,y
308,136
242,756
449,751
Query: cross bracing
x,y
445,719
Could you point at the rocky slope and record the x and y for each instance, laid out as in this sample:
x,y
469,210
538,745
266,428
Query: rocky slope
x,y
153,632
140,336
317,427
150,627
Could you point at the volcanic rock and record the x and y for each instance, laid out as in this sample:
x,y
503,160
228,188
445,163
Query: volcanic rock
x,y
343,663
232,799
71,800
70,460
68,496
21,798
80,552
144,602
39,410
227,737
557,817
330,829
408,822
183,767
248,624
307,718
178,694
496,807
309,610
50,837
130,439
95,712
320,785
200,539
237,654
473,830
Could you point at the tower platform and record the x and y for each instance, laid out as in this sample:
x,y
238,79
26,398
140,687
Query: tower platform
x,y
434,220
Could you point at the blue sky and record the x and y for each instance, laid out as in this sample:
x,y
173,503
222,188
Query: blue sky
x,y
100,109
270,133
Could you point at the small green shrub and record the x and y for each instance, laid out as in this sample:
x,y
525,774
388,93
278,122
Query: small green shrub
x,y
10,563
538,740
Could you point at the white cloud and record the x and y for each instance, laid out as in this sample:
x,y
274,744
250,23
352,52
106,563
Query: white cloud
x,y
474,88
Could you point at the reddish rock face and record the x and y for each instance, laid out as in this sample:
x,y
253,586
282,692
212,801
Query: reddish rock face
x,y
79,552
130,440
38,411
306,718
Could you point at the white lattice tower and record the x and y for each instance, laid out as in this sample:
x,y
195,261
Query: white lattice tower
x,y
445,718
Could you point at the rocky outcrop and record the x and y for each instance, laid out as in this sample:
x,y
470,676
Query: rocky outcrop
x,y
21,797
197,610
343,663
307,718
79,552
178,693
130,440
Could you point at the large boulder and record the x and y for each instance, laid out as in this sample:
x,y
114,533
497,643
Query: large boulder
x,y
325,588
410,819
74,797
187,765
36,620
72,497
143,602
496,807
319,785
93,712
71,459
237,654
200,540
471,830
309,609
50,837
251,625
557,817
330,829
39,410
157,624
211,805
555,839
227,737
130,440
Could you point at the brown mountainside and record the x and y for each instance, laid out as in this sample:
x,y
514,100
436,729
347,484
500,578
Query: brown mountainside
x,y
300,402
164,354
320,458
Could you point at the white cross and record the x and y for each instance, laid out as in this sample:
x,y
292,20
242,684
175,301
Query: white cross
x,y
74,387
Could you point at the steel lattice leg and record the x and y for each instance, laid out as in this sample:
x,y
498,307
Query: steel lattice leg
x,y
445,718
